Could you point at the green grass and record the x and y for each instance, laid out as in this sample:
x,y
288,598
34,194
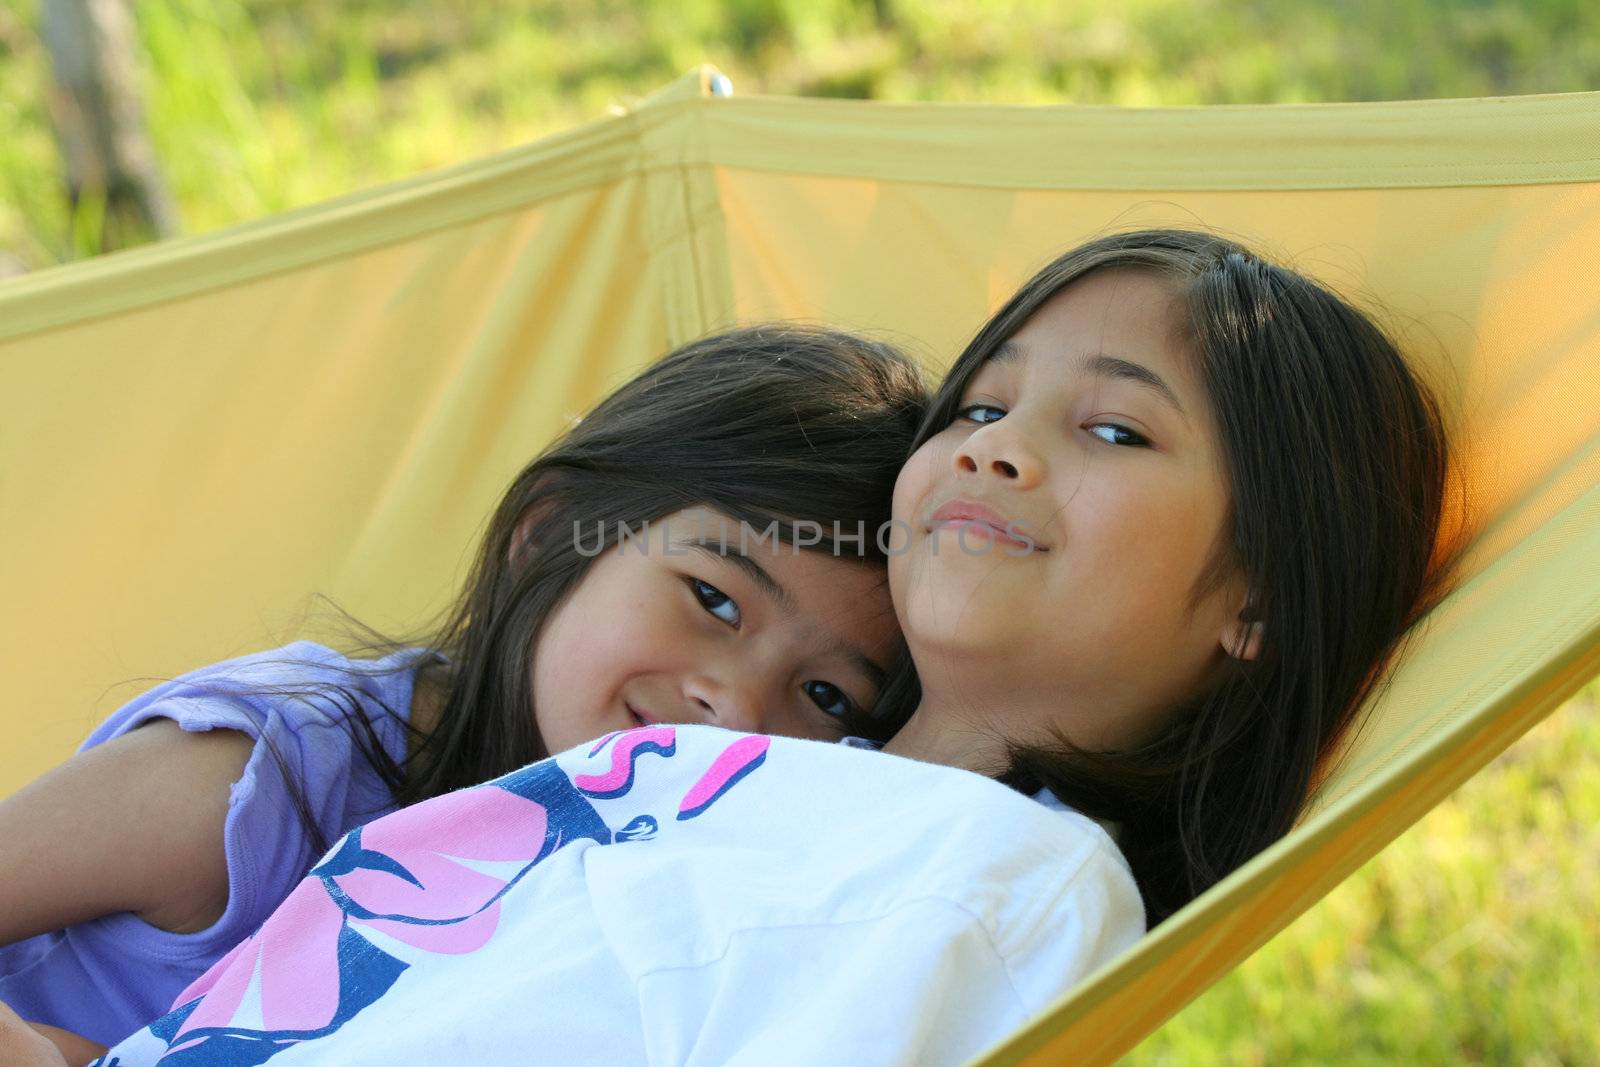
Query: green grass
x,y
1474,938
256,106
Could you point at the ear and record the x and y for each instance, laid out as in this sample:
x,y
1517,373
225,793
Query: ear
x,y
1241,638
519,537
1242,631
541,488
1242,634
522,534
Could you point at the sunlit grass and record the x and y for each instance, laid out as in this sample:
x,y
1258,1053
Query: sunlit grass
x,y
256,106
1473,939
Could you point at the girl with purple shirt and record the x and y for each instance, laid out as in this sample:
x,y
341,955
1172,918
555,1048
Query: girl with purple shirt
x,y
191,813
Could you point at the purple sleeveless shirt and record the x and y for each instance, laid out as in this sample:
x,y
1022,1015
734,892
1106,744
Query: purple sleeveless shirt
x,y
107,977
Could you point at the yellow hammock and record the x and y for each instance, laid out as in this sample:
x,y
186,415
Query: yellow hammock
x,y
196,434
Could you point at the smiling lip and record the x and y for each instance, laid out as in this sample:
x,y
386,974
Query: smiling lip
x,y
966,511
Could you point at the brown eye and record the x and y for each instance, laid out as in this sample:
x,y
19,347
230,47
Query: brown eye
x,y
830,698
717,603
1119,435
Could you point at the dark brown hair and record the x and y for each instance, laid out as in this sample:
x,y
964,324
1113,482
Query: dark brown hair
x,y
1336,457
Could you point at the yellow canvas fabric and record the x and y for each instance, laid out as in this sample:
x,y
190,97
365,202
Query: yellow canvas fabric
x,y
196,436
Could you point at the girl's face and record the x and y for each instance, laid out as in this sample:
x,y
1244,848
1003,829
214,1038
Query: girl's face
x,y
687,628
1089,433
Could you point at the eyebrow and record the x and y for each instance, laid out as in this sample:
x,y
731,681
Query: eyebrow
x,y
785,601
769,585
1101,365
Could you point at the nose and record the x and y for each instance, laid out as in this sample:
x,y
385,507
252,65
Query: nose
x,y
998,450
726,699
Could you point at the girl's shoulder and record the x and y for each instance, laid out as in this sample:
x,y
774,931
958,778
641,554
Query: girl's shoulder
x,y
858,817
788,835
781,786
308,777
298,663
298,687
248,754
316,718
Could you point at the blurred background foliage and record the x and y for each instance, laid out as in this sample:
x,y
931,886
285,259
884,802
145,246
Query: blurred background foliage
x,y
1474,938
255,106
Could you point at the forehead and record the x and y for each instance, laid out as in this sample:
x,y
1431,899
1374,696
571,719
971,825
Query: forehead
x,y
1125,313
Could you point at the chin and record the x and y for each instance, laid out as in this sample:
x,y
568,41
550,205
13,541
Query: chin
x,y
958,598
959,616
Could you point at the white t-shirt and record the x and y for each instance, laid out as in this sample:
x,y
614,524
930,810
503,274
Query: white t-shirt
x,y
675,895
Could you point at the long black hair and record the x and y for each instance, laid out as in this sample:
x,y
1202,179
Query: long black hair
x,y
1337,460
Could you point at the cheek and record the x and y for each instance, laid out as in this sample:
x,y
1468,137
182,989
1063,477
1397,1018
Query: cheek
x,y
596,639
911,486
910,495
561,667
1156,541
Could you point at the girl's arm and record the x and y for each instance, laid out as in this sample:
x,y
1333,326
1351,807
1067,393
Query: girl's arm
x,y
135,824
77,1051
24,1045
